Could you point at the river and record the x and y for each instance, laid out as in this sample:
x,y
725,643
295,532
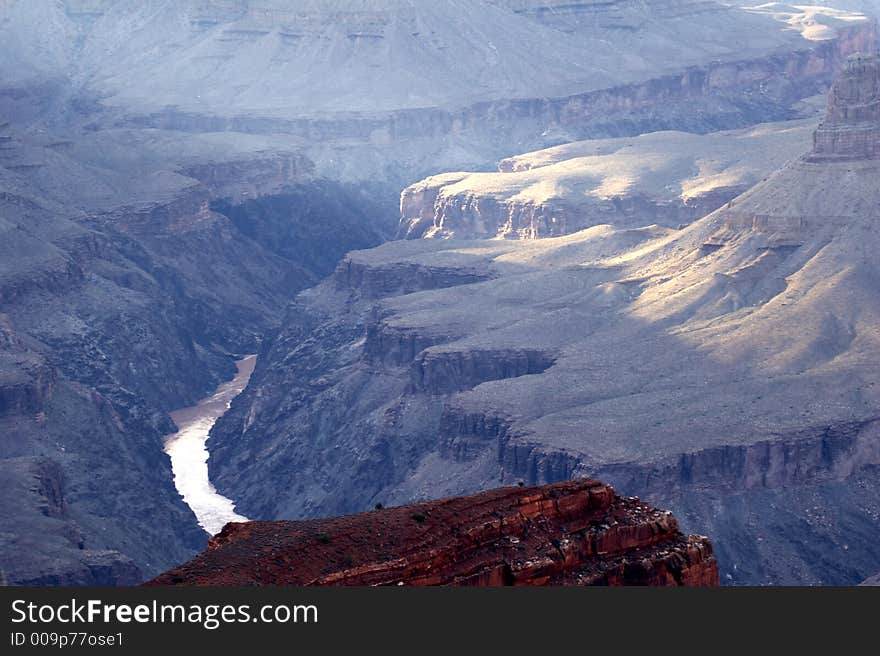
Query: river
x,y
189,453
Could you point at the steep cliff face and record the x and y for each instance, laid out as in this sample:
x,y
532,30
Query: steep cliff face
x,y
850,131
123,295
578,533
667,178
395,91
725,370
159,210
380,55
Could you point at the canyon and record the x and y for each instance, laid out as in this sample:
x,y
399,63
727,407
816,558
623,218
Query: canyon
x,y
724,369
578,533
394,90
180,183
127,294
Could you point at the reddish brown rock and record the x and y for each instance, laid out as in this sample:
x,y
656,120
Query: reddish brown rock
x,y
574,533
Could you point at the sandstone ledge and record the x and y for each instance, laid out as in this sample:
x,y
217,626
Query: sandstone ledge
x,y
574,533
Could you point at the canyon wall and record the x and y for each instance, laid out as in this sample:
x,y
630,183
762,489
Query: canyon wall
x,y
123,297
725,370
159,214
850,129
363,92
402,145
666,178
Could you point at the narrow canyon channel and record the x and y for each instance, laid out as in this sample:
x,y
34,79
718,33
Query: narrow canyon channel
x,y
189,453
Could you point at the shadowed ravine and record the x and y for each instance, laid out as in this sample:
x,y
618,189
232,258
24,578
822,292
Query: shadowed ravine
x,y
189,455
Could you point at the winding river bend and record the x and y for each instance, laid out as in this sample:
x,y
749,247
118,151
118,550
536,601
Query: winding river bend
x,y
189,454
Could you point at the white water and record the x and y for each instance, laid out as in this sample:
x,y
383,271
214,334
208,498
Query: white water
x,y
189,454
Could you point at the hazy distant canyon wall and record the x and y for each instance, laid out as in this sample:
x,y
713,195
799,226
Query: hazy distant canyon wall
x,y
164,191
721,95
409,90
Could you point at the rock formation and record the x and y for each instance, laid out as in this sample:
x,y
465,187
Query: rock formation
x,y
125,294
851,131
159,207
726,370
347,56
831,189
393,90
578,533
667,178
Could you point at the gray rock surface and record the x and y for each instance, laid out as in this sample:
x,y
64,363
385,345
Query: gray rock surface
x,y
725,370
123,295
271,58
159,206
667,178
394,90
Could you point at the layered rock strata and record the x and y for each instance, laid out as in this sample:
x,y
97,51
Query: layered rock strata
x,y
125,292
851,130
360,86
725,370
667,178
578,533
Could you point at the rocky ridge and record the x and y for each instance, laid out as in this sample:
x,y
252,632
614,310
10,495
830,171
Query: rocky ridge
x,y
667,178
673,373
147,234
851,131
395,91
578,533
125,293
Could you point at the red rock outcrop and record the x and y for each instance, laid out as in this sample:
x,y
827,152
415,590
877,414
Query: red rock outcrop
x,y
574,533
